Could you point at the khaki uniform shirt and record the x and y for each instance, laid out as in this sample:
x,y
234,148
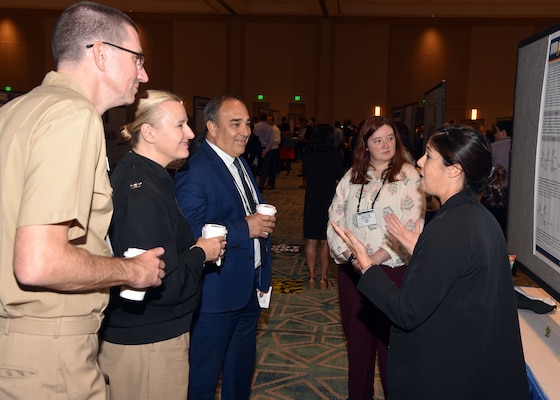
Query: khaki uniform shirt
x,y
52,170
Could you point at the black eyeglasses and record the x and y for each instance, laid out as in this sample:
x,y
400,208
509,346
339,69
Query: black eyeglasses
x,y
140,58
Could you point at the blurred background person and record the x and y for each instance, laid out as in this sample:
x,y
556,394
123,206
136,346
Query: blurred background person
x,y
322,168
253,150
287,146
349,132
404,134
145,344
338,136
307,129
265,133
494,197
501,147
274,153
380,181
478,126
455,322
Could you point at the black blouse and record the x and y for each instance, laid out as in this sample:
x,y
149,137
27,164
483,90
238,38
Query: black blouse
x,y
146,215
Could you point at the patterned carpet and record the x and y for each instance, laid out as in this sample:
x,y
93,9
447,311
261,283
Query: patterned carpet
x,y
301,349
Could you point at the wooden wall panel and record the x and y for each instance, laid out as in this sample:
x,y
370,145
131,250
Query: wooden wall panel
x,y
22,52
342,67
200,61
492,66
281,59
360,70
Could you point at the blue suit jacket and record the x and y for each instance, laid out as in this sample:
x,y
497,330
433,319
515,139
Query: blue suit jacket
x,y
207,193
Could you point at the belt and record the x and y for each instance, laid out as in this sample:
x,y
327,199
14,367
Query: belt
x,y
65,326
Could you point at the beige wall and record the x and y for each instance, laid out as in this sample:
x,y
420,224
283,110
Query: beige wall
x,y
341,67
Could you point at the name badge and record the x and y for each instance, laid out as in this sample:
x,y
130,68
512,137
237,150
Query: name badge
x,y
366,218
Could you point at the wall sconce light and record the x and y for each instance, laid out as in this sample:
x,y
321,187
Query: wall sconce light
x,y
377,111
474,113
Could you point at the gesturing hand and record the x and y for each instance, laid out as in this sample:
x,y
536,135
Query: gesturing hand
x,y
407,238
356,247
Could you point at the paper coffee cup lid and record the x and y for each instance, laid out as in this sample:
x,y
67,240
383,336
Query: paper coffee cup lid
x,y
213,226
211,230
267,209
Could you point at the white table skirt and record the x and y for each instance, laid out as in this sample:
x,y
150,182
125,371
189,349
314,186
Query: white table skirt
x,y
542,352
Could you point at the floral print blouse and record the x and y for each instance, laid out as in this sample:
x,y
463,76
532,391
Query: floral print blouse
x,y
402,197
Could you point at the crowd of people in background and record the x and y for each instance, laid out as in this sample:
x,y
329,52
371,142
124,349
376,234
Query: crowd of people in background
x,y
68,331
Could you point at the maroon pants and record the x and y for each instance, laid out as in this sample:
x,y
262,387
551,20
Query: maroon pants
x,y
367,332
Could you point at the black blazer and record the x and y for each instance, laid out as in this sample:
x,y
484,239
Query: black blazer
x,y
456,332
146,215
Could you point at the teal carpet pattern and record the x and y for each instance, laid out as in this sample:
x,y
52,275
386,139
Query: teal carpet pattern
x,y
301,348
301,352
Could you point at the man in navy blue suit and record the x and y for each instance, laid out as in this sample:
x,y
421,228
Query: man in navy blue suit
x,y
217,186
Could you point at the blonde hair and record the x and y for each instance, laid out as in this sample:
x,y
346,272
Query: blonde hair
x,y
146,112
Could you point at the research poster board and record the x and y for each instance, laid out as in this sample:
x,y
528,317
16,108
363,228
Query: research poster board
x,y
407,115
547,182
534,207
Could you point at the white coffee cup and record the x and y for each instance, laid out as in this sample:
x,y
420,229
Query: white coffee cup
x,y
266,209
213,230
133,294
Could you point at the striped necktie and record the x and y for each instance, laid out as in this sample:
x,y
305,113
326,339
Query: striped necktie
x,y
248,192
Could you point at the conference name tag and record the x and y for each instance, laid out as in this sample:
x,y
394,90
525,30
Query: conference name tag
x,y
366,218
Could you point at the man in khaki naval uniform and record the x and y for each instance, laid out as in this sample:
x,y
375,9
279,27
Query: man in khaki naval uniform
x,y
55,209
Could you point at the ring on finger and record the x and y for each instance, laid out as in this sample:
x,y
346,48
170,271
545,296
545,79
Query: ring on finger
x,y
265,233
222,251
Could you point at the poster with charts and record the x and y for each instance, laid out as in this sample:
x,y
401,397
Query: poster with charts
x,y
547,182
